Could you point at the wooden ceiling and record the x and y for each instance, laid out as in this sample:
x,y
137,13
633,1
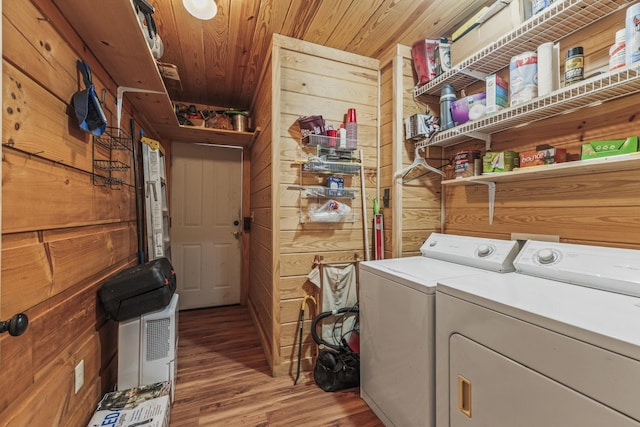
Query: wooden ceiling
x,y
219,61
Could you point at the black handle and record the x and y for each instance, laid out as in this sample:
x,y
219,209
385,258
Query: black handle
x,y
16,326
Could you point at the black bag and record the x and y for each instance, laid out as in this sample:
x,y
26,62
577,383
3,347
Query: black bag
x,y
337,370
139,290
338,367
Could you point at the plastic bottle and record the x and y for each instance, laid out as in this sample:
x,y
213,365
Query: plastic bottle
x,y
342,135
574,65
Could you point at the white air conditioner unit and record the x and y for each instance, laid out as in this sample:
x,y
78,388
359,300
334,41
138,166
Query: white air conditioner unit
x,y
148,347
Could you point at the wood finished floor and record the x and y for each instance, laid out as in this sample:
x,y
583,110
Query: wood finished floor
x,y
223,380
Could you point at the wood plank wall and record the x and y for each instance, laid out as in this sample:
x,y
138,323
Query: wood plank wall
x,y
417,202
387,112
597,209
62,236
261,292
311,79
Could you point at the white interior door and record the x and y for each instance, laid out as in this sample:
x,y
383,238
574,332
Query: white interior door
x,y
206,244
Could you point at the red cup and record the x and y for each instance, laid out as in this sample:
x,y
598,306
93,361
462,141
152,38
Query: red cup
x,y
332,135
351,115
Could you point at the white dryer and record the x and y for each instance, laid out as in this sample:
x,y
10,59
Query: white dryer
x,y
528,349
397,297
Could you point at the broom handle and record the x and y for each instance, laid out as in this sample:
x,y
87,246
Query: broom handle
x,y
367,255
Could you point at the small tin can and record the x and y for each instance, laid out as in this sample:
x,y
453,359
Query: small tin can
x,y
574,65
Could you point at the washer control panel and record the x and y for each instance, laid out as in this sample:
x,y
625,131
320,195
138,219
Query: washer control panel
x,y
611,269
487,254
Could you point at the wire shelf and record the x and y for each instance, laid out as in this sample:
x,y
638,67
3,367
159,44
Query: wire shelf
x,y
110,165
314,140
553,23
104,180
329,217
325,193
343,168
113,139
590,92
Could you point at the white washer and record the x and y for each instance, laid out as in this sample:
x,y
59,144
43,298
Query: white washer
x,y
528,349
397,297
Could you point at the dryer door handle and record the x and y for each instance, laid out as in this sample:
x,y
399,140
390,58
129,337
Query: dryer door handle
x,y
464,395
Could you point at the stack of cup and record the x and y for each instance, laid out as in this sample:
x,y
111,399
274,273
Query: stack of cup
x,y
352,129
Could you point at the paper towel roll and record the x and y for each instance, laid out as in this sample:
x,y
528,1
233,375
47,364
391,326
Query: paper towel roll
x,y
548,68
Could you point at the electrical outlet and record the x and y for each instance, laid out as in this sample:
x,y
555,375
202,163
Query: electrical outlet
x,y
540,237
79,375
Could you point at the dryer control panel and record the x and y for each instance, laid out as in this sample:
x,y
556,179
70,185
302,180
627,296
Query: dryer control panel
x,y
610,269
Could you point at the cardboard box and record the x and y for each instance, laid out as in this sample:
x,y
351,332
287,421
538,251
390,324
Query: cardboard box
x,y
506,20
497,90
464,164
470,24
614,147
543,157
147,405
503,161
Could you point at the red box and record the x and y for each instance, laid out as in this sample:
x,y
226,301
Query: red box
x,y
543,157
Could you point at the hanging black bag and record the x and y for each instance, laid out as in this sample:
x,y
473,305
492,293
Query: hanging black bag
x,y
87,105
337,367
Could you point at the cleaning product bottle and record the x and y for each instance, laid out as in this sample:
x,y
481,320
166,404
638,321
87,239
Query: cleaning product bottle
x,y
342,135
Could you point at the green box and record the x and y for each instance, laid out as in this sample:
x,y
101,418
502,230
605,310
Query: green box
x,y
613,147
502,161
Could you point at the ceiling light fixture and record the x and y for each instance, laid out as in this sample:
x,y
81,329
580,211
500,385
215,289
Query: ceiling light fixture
x,y
201,9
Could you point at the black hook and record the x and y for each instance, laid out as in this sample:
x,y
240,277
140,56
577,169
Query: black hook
x,y
16,326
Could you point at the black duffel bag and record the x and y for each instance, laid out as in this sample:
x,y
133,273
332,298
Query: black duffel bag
x,y
337,370
337,366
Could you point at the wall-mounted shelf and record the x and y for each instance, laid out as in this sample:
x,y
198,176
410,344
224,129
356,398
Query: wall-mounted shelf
x,y
324,192
623,162
347,164
111,152
593,91
331,168
552,24
310,217
127,58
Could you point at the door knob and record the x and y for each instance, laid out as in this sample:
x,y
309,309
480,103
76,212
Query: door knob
x,y
16,326
236,234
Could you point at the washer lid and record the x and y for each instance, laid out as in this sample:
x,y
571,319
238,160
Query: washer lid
x,y
417,272
487,254
610,269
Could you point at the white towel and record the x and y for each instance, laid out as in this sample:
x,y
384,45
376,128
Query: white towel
x,y
338,291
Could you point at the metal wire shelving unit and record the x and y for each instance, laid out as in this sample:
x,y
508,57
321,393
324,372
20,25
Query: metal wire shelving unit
x,y
559,20
590,92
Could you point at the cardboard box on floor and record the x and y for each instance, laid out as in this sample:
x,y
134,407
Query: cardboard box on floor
x,y
506,20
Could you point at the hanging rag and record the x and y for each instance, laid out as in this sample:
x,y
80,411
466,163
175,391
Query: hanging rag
x,y
338,289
